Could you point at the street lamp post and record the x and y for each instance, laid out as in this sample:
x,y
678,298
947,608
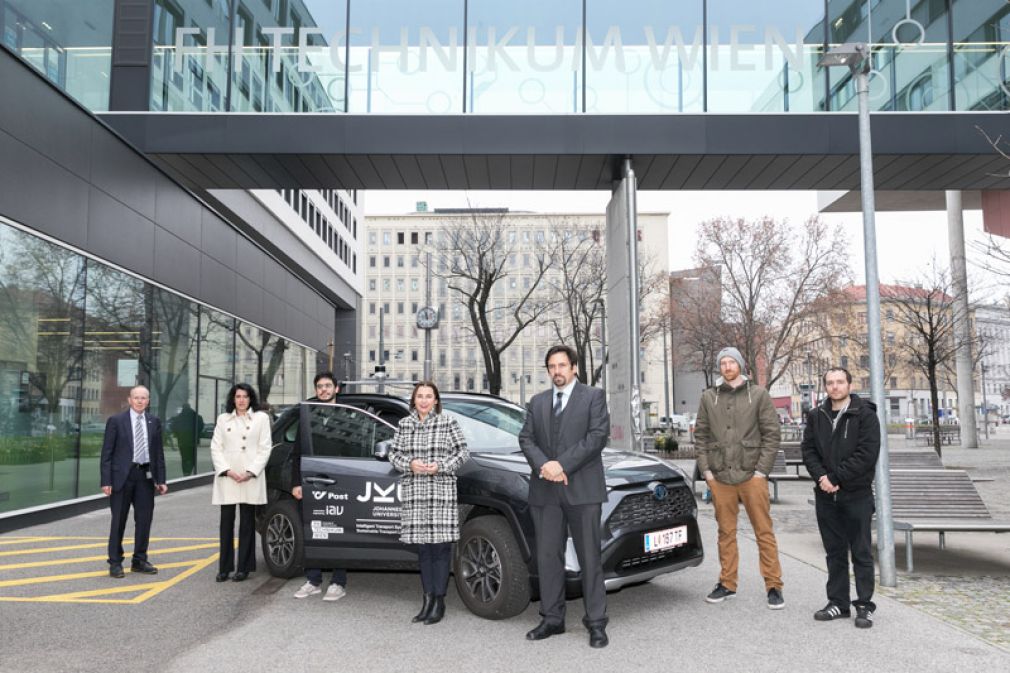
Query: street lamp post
x,y
985,406
856,57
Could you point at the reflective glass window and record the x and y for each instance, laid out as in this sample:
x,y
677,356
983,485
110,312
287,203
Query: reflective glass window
x,y
981,45
289,57
406,56
217,373
259,361
644,56
44,395
909,42
189,61
762,55
70,43
523,57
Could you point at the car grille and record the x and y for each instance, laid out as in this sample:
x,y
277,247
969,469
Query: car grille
x,y
642,508
645,561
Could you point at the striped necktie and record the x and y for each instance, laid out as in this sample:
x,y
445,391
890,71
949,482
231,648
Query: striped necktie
x,y
557,404
139,441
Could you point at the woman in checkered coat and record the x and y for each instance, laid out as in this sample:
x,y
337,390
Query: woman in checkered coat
x,y
429,448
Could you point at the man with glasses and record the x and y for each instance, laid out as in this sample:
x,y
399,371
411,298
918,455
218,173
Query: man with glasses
x,y
327,390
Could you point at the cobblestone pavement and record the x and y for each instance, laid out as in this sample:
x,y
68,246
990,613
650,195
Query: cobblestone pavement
x,y
977,605
967,585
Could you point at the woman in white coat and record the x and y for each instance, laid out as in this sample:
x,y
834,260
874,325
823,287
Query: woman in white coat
x,y
240,450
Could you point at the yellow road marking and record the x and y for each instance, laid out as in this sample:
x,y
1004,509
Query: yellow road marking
x,y
92,559
24,540
143,591
76,576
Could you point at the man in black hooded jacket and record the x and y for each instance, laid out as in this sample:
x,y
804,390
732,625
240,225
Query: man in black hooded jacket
x,y
841,443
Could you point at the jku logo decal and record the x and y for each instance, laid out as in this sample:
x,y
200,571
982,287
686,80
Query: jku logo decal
x,y
376,493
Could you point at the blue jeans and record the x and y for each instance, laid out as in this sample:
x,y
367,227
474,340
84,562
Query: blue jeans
x,y
315,576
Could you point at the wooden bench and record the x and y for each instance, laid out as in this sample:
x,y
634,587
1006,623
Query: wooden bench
x,y
914,460
949,434
779,473
938,501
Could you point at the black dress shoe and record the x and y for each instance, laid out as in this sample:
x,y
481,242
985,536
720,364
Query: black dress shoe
x,y
222,577
240,577
116,571
545,630
143,567
598,636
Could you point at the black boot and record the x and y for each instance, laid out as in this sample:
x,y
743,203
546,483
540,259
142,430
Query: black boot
x,y
421,616
437,611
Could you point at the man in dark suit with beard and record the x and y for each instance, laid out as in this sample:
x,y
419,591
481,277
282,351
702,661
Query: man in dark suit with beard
x,y
133,468
563,438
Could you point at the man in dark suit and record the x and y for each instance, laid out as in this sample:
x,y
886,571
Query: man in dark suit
x,y
563,438
133,468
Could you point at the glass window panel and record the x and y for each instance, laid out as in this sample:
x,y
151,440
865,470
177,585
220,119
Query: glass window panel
x,y
189,63
909,41
406,56
70,43
524,57
981,43
762,55
170,365
259,361
291,61
117,329
217,371
43,394
659,65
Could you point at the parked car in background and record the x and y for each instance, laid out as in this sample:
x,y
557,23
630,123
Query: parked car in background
x,y
349,515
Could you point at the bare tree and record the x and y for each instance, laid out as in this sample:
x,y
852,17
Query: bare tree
x,y
773,277
698,332
478,257
930,342
579,279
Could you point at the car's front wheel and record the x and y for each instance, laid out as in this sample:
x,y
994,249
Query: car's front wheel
x,y
491,576
282,539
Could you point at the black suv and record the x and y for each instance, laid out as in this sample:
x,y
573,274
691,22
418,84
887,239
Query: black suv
x,y
349,515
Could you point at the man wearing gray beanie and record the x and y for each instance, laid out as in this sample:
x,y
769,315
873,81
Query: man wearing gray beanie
x,y
736,437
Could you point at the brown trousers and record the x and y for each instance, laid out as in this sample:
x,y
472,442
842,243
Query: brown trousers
x,y
753,493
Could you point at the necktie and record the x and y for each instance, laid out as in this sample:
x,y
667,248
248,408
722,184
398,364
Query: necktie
x,y
139,441
557,404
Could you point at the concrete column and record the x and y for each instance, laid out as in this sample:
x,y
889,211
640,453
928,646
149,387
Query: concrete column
x,y
962,328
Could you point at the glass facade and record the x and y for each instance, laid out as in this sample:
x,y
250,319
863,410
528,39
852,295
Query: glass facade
x,y
574,56
70,43
76,334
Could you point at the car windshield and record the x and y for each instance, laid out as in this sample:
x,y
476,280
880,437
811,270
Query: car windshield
x,y
487,426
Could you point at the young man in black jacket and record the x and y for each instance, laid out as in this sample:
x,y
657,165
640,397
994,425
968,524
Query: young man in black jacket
x,y
841,443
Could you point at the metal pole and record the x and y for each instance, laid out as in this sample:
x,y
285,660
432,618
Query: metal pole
x,y
666,376
427,302
631,217
885,526
962,324
603,345
382,345
985,407
522,379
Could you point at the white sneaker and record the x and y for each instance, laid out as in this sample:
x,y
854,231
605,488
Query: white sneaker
x,y
308,589
334,592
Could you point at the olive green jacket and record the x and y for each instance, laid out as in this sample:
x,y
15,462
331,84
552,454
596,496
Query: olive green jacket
x,y
737,432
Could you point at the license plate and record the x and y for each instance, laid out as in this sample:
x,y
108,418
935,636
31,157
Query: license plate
x,y
665,539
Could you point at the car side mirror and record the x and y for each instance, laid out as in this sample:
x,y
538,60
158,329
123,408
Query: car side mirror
x,y
382,450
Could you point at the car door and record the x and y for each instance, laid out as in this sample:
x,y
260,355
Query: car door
x,y
350,499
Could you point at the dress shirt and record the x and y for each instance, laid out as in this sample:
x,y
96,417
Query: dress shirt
x,y
143,426
566,392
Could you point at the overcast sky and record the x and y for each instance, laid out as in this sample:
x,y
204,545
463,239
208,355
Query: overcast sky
x,y
906,242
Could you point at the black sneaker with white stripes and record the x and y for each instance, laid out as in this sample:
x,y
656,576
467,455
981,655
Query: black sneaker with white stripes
x,y
831,611
864,617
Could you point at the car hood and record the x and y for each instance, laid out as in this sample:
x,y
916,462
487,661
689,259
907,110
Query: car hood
x,y
621,468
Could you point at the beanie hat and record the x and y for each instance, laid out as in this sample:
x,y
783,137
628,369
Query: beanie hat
x,y
730,352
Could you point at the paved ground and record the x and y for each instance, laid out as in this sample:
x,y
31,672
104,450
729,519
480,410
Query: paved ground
x,y
951,615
